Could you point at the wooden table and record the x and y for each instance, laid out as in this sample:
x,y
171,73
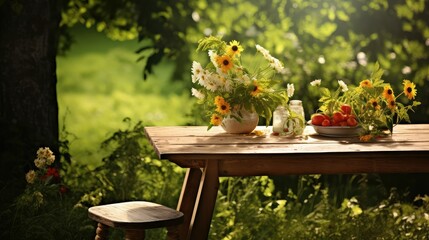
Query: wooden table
x,y
209,155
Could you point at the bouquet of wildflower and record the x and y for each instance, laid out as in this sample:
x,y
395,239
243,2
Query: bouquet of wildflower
x,y
373,104
226,87
43,181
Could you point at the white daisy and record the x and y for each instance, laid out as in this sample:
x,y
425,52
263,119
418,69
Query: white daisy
x,y
212,82
213,55
316,82
343,86
197,94
197,71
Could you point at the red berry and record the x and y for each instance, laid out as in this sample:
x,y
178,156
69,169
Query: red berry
x,y
317,119
326,123
346,109
351,122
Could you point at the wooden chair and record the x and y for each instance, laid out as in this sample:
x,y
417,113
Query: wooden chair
x,y
134,218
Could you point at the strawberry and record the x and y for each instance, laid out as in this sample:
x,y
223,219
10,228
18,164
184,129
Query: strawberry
x,y
326,123
338,117
346,109
317,119
351,122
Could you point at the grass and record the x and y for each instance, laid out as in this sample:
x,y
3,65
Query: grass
x,y
100,83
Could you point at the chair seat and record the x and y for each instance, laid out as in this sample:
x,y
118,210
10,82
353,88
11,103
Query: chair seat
x,y
135,215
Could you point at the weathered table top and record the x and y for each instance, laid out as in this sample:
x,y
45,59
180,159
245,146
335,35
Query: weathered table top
x,y
191,146
214,153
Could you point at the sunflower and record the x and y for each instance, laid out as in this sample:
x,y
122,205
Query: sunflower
x,y
256,89
366,83
374,103
234,48
219,100
222,106
388,93
391,103
216,120
409,89
224,62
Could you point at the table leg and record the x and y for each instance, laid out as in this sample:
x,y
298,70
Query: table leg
x,y
187,199
205,202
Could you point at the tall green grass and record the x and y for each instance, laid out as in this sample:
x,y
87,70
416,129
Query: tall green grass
x,y
100,83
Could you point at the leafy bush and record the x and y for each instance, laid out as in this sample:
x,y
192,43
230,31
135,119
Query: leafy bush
x,y
250,208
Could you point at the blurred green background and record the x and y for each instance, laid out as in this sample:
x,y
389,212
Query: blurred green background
x,y
100,83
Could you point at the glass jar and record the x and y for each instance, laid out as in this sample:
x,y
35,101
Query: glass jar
x,y
280,116
286,123
296,106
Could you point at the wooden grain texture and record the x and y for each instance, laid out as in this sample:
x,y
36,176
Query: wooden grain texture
x,y
135,215
222,154
205,202
188,198
407,150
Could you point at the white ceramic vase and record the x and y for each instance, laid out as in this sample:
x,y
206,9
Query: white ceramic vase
x,y
248,123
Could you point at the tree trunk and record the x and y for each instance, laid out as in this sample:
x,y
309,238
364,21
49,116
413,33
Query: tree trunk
x,y
28,100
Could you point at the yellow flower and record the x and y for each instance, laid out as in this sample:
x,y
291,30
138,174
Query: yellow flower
x,y
224,62
234,48
256,89
219,100
409,89
388,93
366,83
391,103
374,103
216,120
222,106
365,138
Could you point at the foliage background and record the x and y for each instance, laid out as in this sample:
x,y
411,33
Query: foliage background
x,y
319,39
100,83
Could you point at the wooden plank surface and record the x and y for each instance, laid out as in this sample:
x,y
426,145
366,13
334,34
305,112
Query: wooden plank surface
x,y
190,146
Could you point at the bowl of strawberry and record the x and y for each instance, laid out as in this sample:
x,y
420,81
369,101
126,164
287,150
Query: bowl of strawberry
x,y
341,123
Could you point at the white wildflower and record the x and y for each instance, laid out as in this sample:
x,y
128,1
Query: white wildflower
x,y
212,82
290,89
262,50
316,82
227,86
203,79
197,94
194,78
343,86
30,176
213,56
46,155
40,163
276,64
197,71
